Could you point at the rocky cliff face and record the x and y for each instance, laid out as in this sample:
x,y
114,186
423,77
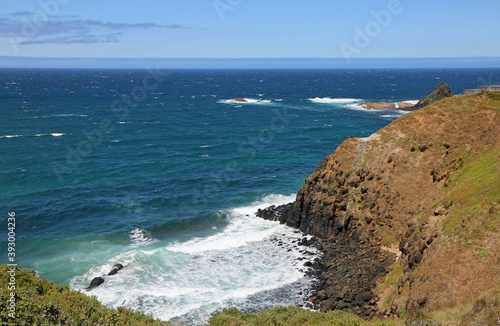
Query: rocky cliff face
x,y
442,91
409,216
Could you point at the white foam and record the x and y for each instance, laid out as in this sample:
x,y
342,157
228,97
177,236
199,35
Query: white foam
x,y
239,265
329,100
140,237
243,229
69,115
11,136
57,134
274,199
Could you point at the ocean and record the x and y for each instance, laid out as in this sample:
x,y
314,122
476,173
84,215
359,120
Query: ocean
x,y
162,171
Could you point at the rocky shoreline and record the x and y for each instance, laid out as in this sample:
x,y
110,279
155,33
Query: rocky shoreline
x,y
347,271
406,218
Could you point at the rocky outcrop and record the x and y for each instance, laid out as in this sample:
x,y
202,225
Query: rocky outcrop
x,y
378,106
405,105
242,100
96,281
442,91
424,191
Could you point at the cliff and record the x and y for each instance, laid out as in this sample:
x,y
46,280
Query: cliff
x,y
424,191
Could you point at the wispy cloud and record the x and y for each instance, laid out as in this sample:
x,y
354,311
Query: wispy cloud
x,y
67,29
22,13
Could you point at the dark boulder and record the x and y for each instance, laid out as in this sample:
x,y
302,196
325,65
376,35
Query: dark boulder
x,y
96,281
115,269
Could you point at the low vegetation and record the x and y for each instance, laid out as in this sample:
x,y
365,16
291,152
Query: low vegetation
x,y
290,316
41,302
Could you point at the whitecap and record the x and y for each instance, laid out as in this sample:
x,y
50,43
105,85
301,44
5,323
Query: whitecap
x,y
57,134
11,136
69,115
329,100
140,237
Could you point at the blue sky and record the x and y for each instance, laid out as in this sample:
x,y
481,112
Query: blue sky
x,y
348,29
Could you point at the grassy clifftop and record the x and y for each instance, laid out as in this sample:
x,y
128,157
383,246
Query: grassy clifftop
x,y
426,188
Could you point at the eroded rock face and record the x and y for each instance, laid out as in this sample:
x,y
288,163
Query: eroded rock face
x,y
385,197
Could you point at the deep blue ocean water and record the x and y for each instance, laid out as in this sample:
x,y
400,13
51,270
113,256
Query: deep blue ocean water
x,y
162,171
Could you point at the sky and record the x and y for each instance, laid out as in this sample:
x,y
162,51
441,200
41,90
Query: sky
x,y
90,31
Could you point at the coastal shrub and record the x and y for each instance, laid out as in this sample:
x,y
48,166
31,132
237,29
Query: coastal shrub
x,y
40,302
290,316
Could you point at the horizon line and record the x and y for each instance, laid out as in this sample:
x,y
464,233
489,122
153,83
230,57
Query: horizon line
x,y
254,63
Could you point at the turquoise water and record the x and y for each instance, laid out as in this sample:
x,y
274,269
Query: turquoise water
x,y
162,171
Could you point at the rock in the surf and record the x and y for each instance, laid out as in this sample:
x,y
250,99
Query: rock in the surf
x,y
96,281
115,269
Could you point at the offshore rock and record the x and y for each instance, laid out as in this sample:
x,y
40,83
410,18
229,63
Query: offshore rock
x,y
115,269
96,281
378,106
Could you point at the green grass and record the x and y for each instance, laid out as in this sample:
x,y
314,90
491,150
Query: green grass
x,y
387,241
484,253
473,192
495,96
482,311
403,311
290,316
